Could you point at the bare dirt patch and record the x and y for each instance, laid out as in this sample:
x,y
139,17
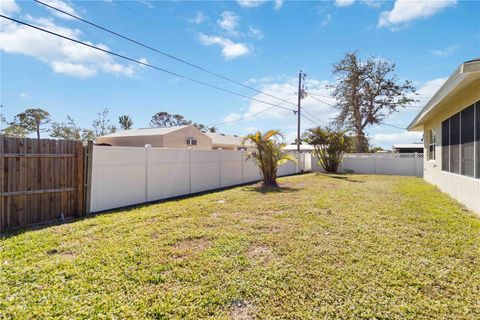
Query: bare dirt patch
x,y
260,253
242,310
192,244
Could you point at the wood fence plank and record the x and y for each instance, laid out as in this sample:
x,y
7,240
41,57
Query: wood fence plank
x,y
39,180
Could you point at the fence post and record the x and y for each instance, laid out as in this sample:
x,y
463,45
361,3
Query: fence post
x,y
79,179
88,156
375,162
243,168
415,164
189,170
220,159
147,167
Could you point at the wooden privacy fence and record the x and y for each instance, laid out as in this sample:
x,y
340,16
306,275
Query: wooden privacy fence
x,y
40,180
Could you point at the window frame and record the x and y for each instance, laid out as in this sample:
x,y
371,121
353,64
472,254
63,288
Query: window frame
x,y
455,148
432,138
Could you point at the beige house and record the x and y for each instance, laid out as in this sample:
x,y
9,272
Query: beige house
x,y
174,137
168,137
450,123
228,142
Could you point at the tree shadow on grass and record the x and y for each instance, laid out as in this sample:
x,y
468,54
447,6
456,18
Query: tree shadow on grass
x,y
341,177
277,189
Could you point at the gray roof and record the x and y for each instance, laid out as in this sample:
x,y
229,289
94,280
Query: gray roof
x,y
145,132
407,145
225,139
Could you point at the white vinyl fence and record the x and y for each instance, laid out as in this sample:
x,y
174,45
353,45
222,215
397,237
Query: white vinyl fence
x,y
123,176
402,164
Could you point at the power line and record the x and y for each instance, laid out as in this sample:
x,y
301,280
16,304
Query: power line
x,y
143,63
319,100
393,126
311,114
161,52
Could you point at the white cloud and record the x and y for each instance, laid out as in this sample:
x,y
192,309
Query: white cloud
x,y
8,7
62,5
344,3
229,22
392,138
73,69
326,20
250,3
255,33
199,18
428,89
147,3
230,49
445,52
286,90
23,95
278,4
61,55
405,11
232,117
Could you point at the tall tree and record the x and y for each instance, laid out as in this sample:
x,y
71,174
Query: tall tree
x,y
161,119
101,125
15,130
367,92
66,130
33,120
125,122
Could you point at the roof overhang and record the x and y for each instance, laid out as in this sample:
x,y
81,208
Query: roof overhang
x,y
463,77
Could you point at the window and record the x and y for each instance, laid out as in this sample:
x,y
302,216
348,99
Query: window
x,y
455,143
431,144
191,141
461,142
446,145
467,140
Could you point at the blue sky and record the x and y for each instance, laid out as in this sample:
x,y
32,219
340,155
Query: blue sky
x,y
262,44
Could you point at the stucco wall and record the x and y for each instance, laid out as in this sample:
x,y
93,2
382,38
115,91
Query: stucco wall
x,y
175,139
464,189
178,139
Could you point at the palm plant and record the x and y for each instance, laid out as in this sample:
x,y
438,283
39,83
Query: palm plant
x,y
330,146
269,154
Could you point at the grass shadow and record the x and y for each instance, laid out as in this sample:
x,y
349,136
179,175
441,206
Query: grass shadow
x,y
340,176
278,189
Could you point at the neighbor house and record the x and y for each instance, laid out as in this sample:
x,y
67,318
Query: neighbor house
x,y
174,137
408,147
228,142
167,137
450,122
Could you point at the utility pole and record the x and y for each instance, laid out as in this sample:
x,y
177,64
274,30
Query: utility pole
x,y
301,76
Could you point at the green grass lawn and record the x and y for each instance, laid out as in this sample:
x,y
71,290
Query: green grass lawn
x,y
323,247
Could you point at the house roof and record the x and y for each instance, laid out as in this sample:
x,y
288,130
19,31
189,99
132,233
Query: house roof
x,y
407,145
303,147
225,139
464,75
145,132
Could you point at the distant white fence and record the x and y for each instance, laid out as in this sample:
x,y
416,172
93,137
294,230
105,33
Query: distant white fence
x,y
402,164
123,176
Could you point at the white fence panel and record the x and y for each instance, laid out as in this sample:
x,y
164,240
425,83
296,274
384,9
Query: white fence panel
x,y
231,168
205,170
403,164
168,173
123,176
118,178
